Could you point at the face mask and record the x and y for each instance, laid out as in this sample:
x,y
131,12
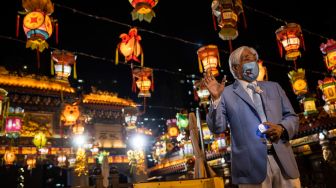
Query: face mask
x,y
250,71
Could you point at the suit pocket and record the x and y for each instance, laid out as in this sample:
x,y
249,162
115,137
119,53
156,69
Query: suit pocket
x,y
241,163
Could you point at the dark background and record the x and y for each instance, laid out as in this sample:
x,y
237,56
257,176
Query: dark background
x,y
188,21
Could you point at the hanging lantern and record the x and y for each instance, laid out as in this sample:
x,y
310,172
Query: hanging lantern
x,y
173,130
329,49
130,46
202,93
14,122
9,157
309,106
328,87
61,159
208,56
143,83
62,68
263,75
291,39
227,14
31,162
40,140
77,129
130,120
143,9
182,121
298,80
70,114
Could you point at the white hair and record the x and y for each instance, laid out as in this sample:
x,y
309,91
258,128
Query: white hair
x,y
235,57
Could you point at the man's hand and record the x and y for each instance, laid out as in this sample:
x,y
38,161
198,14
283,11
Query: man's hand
x,y
274,132
212,85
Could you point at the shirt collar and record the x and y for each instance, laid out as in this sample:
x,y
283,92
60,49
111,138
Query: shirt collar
x,y
245,83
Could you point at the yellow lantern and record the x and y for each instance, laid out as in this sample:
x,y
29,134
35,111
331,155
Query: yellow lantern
x,y
329,49
173,130
143,9
62,68
70,114
263,75
202,93
328,87
291,39
9,157
309,106
130,46
208,56
143,83
40,140
298,80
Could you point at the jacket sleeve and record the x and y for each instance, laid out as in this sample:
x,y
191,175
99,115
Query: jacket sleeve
x,y
216,117
290,120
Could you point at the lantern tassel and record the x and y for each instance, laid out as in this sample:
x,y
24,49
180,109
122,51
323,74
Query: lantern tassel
x,y
117,56
17,25
52,66
56,32
214,22
200,65
75,71
230,45
152,86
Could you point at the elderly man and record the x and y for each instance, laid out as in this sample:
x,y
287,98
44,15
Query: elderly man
x,y
261,120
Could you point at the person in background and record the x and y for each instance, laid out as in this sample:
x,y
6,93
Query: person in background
x,y
261,121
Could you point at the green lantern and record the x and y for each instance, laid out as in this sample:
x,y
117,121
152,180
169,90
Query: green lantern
x,y
182,121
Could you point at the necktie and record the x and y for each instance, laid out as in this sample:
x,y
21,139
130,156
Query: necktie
x,y
257,102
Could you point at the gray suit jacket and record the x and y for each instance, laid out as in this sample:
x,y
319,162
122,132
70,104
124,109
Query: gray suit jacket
x,y
248,152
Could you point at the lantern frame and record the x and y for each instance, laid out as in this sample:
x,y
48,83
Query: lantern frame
x,y
208,59
143,83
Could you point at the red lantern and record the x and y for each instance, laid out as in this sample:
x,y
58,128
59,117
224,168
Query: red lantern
x,y
329,49
14,122
143,83
291,39
208,56
62,68
130,46
143,9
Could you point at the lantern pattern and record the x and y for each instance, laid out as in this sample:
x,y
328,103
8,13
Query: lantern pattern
x,y
9,157
142,81
201,93
173,130
329,51
227,13
130,46
70,114
298,81
143,9
263,74
182,121
14,122
208,57
62,67
290,38
40,140
309,106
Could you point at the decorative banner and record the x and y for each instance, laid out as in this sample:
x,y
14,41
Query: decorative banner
x,y
329,49
290,38
62,68
298,81
130,46
143,9
208,56
142,81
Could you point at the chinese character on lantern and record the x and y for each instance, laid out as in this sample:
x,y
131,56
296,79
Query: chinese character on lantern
x,y
208,58
201,92
62,67
143,9
227,14
298,80
14,122
130,46
173,130
142,81
290,38
329,49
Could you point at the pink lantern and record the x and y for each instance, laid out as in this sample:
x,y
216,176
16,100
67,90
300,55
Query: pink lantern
x,y
14,123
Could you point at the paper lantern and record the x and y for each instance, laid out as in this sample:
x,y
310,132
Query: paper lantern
x,y
77,129
70,114
62,67
208,57
14,122
201,93
290,38
309,106
143,83
143,9
61,159
40,140
328,87
130,120
182,121
263,74
9,157
173,130
298,80
130,46
31,162
329,49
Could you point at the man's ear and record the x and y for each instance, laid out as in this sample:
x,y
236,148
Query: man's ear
x,y
235,68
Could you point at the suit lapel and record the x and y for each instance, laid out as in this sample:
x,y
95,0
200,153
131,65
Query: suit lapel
x,y
240,91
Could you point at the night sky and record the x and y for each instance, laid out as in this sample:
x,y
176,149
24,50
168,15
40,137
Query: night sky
x,y
169,43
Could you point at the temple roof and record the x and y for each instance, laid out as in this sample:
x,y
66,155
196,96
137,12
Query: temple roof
x,y
104,97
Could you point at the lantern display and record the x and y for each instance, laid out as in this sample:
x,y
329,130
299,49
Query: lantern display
x,y
188,149
4,102
173,130
263,74
9,157
70,114
143,9
201,92
62,68
61,159
328,87
143,83
290,38
208,57
298,81
309,106
14,122
31,162
130,120
40,140
130,46
182,121
77,129
329,49
227,15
